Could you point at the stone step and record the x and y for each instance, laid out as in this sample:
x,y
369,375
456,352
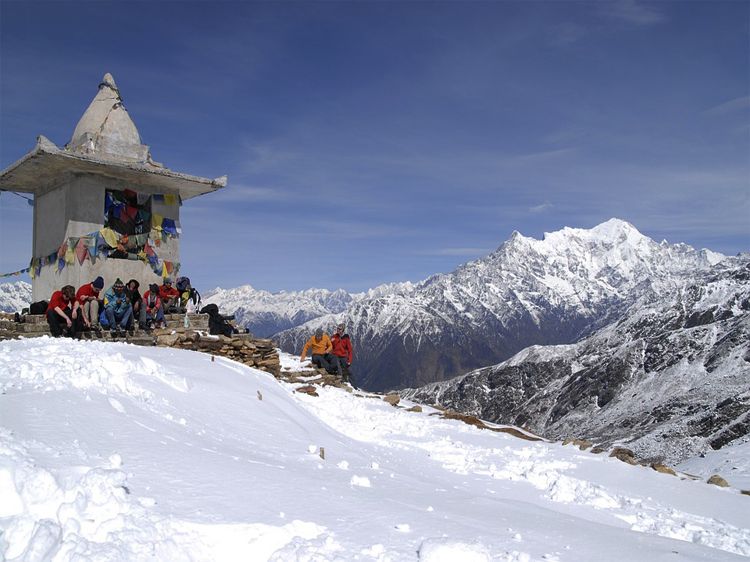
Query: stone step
x,y
34,319
38,322
24,328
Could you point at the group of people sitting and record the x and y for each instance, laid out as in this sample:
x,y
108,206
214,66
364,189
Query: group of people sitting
x,y
71,312
333,354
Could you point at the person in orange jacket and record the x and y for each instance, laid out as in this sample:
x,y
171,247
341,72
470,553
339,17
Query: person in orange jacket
x,y
321,350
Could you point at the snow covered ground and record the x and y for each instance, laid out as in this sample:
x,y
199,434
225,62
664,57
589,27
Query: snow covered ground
x,y
731,461
110,451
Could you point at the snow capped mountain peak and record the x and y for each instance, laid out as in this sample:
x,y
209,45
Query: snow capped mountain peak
x,y
528,291
616,228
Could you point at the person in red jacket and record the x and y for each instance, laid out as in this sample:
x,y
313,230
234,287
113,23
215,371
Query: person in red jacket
x,y
170,297
342,352
88,300
152,312
64,313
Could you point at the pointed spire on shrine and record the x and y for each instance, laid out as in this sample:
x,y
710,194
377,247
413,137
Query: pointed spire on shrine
x,y
106,130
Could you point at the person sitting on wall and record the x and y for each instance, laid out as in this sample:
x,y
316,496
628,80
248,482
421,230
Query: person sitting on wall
x,y
87,297
152,311
117,308
190,298
64,313
321,350
131,289
170,297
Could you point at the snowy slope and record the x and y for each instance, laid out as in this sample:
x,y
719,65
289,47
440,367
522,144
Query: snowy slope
x,y
733,461
14,296
527,292
671,378
114,452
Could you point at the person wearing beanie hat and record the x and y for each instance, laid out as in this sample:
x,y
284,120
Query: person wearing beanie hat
x,y
321,350
342,354
87,297
152,310
118,312
170,297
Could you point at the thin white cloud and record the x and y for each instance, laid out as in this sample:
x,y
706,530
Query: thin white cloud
x,y
730,106
246,193
632,12
546,206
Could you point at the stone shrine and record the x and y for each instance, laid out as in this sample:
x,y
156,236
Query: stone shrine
x,y
102,206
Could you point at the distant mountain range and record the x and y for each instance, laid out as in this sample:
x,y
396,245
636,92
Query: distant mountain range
x,y
601,333
14,297
670,378
527,292
266,313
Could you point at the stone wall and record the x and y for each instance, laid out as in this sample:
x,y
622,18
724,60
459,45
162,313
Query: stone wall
x,y
243,348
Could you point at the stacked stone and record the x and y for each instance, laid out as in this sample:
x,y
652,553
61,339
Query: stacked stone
x,y
243,348
311,377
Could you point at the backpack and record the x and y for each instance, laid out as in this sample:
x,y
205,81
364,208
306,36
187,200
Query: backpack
x,y
190,299
217,325
183,283
39,307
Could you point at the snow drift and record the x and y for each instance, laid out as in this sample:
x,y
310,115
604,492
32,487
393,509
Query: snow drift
x,y
110,451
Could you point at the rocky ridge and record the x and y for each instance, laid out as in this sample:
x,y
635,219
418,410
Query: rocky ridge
x,y
551,291
14,297
670,378
265,313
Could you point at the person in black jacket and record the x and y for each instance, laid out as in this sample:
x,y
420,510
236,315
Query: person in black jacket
x,y
131,289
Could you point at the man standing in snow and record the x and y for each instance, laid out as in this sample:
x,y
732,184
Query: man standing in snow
x,y
342,353
321,350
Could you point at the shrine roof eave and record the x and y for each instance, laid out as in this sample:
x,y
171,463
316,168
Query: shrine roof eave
x,y
47,167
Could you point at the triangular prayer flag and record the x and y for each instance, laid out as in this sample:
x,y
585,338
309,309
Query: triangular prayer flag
x,y
110,237
81,251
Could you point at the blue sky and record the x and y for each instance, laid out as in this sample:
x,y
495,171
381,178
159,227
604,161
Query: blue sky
x,y
370,142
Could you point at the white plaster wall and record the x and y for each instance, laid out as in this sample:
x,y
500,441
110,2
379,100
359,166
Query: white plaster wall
x,y
49,222
77,209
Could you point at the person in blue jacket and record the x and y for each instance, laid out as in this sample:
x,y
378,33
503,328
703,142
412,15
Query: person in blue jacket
x,y
118,311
